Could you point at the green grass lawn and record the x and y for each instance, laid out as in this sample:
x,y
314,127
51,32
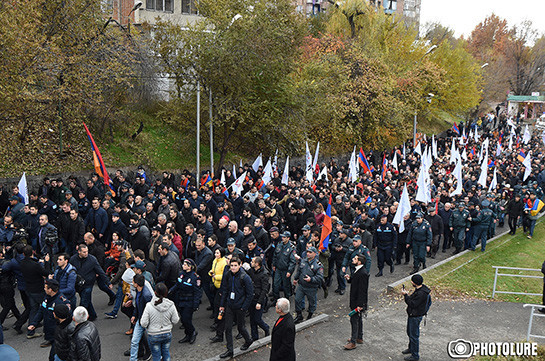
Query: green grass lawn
x,y
472,275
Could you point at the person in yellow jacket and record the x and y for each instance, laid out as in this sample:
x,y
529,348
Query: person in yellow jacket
x,y
216,273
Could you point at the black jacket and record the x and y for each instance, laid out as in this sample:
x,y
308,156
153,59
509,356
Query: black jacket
x,y
33,273
85,344
417,301
168,269
283,339
260,280
75,230
514,208
63,333
88,268
358,290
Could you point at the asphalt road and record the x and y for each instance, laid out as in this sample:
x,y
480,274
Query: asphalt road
x,y
115,342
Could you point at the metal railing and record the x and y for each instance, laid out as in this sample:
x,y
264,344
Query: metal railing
x,y
532,315
497,268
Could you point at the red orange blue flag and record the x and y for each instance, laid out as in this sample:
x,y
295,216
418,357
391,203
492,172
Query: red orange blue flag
x,y
363,162
100,168
455,129
326,228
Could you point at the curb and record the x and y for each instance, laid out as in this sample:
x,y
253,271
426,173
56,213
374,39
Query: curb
x,y
392,286
267,340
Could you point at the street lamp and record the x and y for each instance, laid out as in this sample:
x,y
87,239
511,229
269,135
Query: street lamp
x,y
429,51
136,6
235,18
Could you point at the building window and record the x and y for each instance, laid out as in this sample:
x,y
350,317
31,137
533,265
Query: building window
x,y
168,5
150,4
390,5
189,7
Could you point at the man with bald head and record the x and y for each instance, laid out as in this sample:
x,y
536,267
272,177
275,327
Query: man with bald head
x,y
236,234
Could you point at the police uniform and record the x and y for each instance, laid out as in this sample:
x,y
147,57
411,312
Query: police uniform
x,y
482,225
314,270
284,263
353,252
45,313
459,222
188,293
386,243
420,236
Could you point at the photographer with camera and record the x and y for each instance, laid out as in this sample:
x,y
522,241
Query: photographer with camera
x,y
7,290
47,237
417,307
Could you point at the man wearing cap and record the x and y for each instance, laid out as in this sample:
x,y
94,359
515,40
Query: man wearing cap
x,y
459,223
63,332
308,277
419,237
339,248
303,240
137,239
482,225
356,248
416,309
436,223
233,250
45,312
386,243
283,265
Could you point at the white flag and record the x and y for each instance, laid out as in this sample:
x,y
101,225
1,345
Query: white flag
x,y
404,155
258,163
494,182
403,209
527,137
267,173
484,169
315,161
510,141
222,178
434,147
458,175
528,165
453,152
23,187
353,167
418,149
323,174
308,158
285,175
394,161
464,155
543,137
239,183
423,194
275,162
234,171
498,150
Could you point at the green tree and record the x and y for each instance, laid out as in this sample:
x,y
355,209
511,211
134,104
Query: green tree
x,y
253,93
60,63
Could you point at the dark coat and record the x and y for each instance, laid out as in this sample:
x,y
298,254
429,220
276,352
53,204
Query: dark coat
x,y
283,339
358,290
168,269
88,268
63,333
85,345
417,301
260,280
33,273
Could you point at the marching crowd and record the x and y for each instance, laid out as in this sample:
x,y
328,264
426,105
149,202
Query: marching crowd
x,y
162,248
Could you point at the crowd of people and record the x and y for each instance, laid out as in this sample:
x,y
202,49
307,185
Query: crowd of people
x,y
162,248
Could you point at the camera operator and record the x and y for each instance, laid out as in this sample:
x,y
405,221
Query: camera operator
x,y
14,265
7,231
47,237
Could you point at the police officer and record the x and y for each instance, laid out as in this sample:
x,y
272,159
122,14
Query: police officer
x,y
283,265
420,237
459,223
482,225
356,248
302,241
495,208
340,246
45,312
188,293
309,277
386,243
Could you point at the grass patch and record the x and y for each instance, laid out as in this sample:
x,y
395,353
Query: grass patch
x,y
472,276
540,357
437,123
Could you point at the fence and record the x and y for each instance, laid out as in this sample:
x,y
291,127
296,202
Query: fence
x,y
532,315
497,274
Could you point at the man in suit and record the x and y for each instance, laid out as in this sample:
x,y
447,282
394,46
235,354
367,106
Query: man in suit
x,y
283,333
358,300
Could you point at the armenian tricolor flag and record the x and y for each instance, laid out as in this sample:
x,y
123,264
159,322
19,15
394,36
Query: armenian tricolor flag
x,y
368,200
100,168
521,156
455,129
206,180
472,153
363,162
384,162
491,163
535,207
326,228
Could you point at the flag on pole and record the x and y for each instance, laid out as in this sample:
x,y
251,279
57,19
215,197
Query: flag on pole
x,y
455,129
403,209
285,175
275,162
494,182
403,150
234,171
23,188
521,156
100,168
394,161
308,158
258,162
528,166
326,228
267,173
484,169
458,175
534,206
526,137
363,162
323,174
384,167
239,183
315,160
